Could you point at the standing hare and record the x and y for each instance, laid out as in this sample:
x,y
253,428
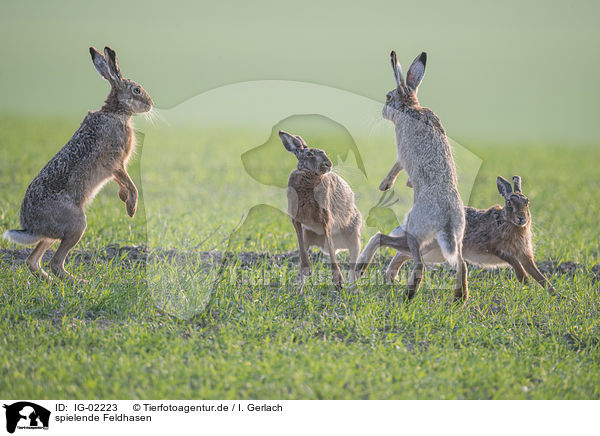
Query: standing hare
x,y
321,205
425,153
494,237
53,207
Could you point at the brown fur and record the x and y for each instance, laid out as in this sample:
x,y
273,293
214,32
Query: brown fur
x,y
53,206
494,237
321,206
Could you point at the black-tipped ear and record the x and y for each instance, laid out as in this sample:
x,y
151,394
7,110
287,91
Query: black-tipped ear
x,y
101,65
416,72
397,69
517,183
503,185
111,58
292,143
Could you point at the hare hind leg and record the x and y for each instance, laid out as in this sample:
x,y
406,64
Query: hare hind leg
x,y
406,242
461,288
377,241
338,281
354,251
451,249
391,272
34,261
302,251
416,276
76,227
365,258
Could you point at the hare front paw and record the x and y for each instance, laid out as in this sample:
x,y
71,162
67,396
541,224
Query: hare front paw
x,y
386,184
338,280
131,206
303,272
123,194
131,203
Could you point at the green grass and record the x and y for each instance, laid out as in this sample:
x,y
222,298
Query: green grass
x,y
257,337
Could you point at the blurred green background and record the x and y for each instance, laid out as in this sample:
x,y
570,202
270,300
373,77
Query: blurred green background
x,y
497,71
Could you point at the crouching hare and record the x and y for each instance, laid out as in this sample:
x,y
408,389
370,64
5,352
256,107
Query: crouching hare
x,y
321,206
53,207
494,237
424,152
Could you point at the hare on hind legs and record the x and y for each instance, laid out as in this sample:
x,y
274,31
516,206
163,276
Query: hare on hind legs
x,y
424,152
53,207
321,206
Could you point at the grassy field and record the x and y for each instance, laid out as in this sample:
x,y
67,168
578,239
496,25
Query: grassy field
x,y
257,337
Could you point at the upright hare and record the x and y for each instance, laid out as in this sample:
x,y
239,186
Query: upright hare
x,y
424,152
321,205
53,207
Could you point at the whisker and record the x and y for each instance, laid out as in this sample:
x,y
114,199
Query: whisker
x,y
153,115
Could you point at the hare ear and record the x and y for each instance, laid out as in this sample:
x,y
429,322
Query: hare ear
x,y
292,143
397,69
301,141
102,66
111,57
517,183
416,72
504,187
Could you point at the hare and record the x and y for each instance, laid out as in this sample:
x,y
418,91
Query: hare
x,y
494,237
53,207
424,152
321,206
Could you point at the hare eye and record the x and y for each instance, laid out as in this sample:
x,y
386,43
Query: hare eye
x,y
507,203
308,154
137,91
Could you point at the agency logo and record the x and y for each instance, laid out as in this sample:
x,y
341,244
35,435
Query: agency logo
x,y
243,186
26,415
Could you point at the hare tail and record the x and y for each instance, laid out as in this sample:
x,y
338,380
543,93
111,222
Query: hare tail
x,y
449,246
22,237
